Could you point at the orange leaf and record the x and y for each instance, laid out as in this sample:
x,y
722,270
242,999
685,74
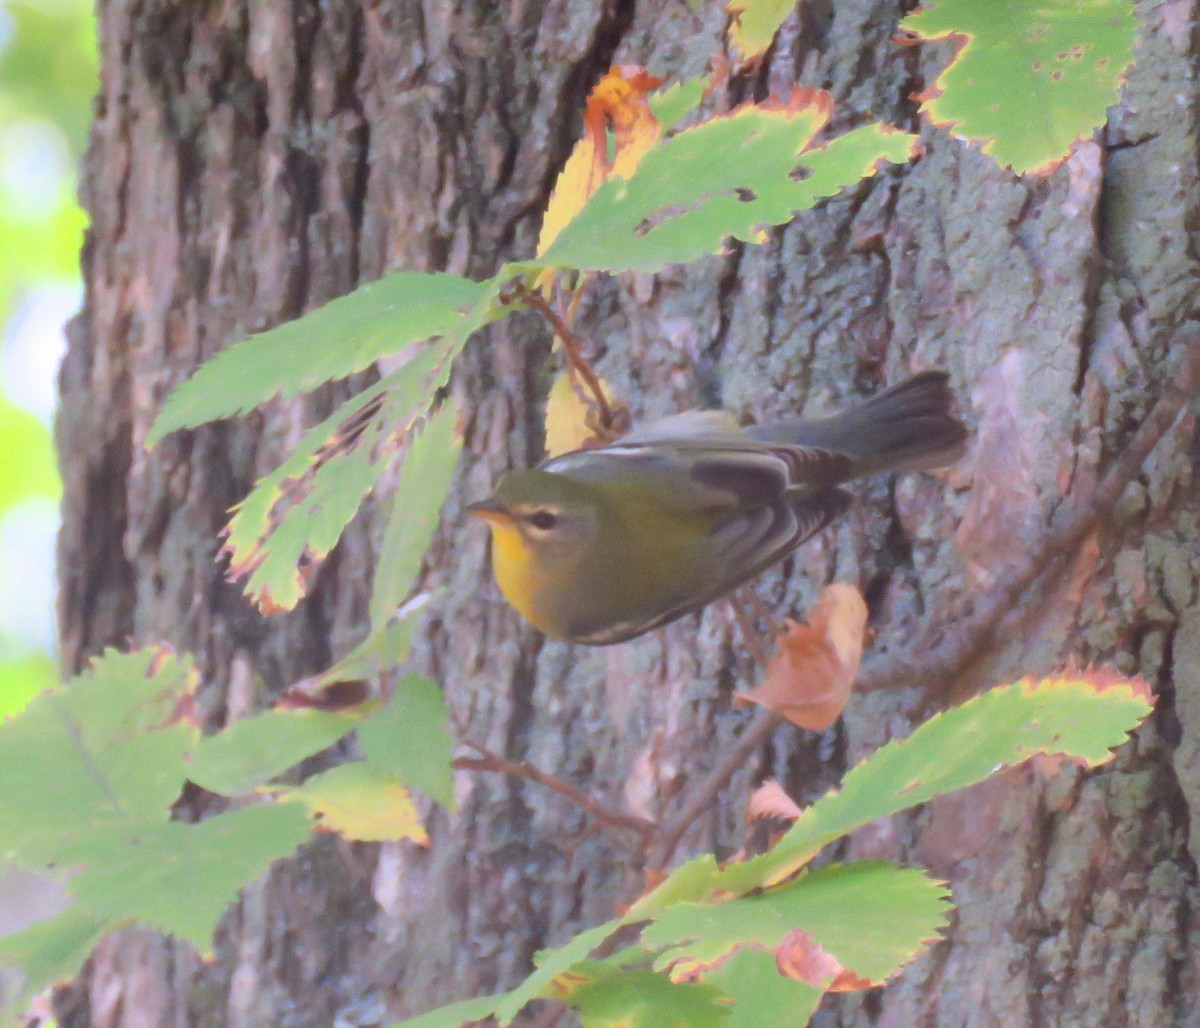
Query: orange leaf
x,y
800,956
617,102
809,679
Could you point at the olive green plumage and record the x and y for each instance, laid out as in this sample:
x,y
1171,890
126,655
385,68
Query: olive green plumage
x,y
598,546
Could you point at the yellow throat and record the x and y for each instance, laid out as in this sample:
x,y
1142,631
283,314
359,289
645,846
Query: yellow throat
x,y
515,567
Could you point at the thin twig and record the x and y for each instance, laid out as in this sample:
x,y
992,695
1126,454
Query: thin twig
x,y
577,295
488,761
700,798
940,663
572,347
758,732
750,633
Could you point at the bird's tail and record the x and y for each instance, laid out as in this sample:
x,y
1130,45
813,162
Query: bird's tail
x,y
908,427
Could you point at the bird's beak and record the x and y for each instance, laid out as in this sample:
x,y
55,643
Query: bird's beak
x,y
491,510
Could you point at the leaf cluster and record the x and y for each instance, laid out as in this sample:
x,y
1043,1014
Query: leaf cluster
x,y
759,941
123,740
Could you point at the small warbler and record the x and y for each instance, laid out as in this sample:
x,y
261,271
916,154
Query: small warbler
x,y
598,546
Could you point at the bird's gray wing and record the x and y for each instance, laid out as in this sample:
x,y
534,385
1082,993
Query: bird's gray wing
x,y
710,471
691,424
743,544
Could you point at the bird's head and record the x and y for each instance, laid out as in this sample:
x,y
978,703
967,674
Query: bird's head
x,y
540,515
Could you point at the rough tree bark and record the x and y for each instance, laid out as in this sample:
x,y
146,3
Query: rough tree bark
x,y
252,159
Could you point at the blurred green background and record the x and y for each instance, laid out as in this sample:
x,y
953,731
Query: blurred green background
x,y
48,76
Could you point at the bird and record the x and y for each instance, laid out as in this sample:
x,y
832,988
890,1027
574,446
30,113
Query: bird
x,y
598,546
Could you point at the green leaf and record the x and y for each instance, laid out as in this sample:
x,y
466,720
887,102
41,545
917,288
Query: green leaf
x,y
344,336
762,997
850,158
410,738
689,882
48,952
377,653
755,23
727,177
1083,716
607,996
179,877
117,744
678,100
424,482
294,516
872,917
1032,77
550,963
252,751
360,801
453,1016
117,741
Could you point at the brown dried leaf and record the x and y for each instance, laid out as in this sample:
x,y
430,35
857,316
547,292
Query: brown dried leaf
x,y
809,679
800,956
770,801
316,694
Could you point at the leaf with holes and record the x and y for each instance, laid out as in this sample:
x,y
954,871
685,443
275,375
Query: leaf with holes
x,y
725,178
860,153
616,104
1031,77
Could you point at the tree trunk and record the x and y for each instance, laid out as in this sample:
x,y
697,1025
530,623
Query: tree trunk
x,y
252,160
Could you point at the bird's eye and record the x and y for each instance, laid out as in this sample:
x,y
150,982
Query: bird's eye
x,y
543,519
